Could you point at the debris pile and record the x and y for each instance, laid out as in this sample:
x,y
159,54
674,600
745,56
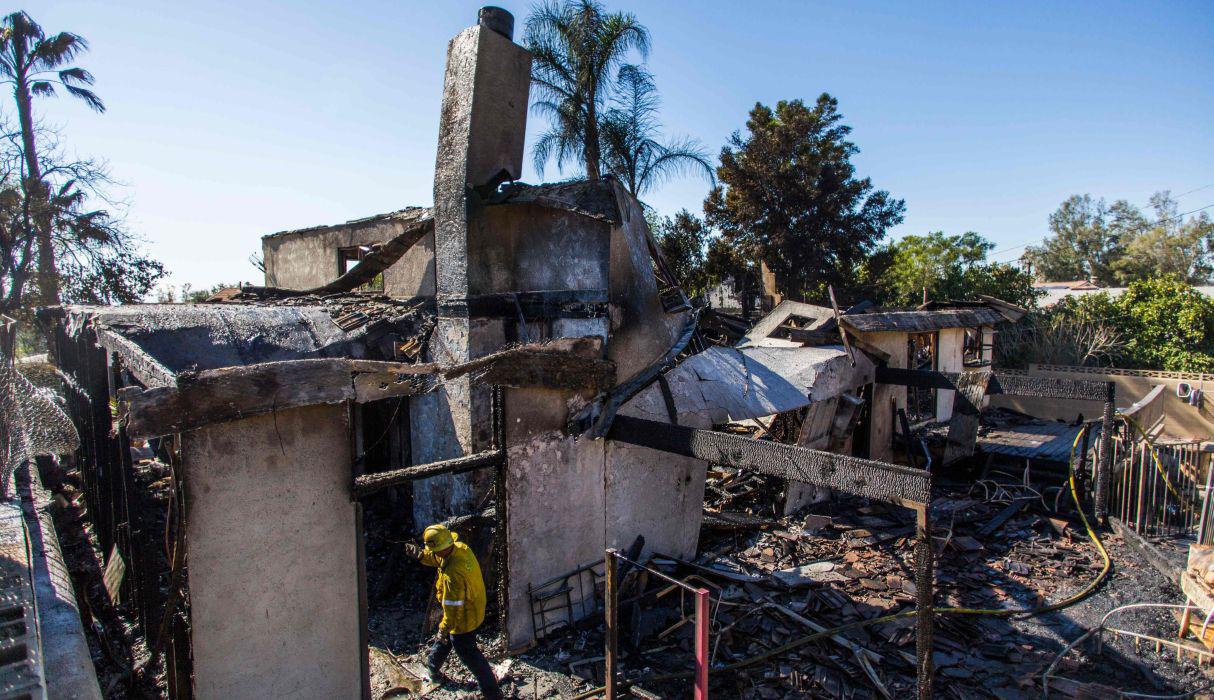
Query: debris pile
x,y
775,581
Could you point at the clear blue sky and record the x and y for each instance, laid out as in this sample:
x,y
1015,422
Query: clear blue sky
x,y
230,120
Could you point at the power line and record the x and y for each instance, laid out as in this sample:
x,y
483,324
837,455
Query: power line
x,y
1203,187
1143,227
1179,216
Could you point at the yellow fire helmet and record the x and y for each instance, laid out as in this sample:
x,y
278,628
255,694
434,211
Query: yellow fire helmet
x,y
437,538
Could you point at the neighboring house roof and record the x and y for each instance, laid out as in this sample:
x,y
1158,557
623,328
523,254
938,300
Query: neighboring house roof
x,y
1074,284
919,321
1053,296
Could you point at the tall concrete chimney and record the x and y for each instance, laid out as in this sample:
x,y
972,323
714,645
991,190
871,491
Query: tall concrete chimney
x,y
481,132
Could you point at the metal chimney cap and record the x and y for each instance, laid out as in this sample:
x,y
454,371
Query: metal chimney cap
x,y
497,19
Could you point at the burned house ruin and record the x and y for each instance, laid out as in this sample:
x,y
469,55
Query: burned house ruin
x,y
516,353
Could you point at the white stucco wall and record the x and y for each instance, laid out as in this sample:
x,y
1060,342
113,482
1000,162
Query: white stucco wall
x,y
272,554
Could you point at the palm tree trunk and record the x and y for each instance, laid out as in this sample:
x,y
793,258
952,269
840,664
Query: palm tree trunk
x,y
592,138
36,191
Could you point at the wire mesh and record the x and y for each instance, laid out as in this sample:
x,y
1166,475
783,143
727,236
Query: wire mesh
x,y
32,422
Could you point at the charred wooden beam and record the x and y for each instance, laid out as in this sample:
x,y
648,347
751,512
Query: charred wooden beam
x,y
231,393
143,366
219,395
375,380
890,483
547,370
563,363
367,484
598,415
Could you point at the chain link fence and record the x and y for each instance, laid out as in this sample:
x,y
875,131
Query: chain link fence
x,y
32,422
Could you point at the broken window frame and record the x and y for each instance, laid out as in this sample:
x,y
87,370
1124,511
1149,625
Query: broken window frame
x,y
349,256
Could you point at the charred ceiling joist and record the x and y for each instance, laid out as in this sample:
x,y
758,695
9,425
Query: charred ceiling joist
x,y
197,399
367,484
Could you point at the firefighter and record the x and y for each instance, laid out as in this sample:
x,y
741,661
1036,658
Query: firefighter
x,y
460,590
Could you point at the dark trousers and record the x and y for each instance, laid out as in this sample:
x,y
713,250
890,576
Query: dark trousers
x,y
467,651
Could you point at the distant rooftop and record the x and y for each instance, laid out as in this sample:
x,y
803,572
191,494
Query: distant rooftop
x,y
1057,291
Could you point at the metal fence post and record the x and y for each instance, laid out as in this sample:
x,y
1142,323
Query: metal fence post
x,y
1205,504
1104,467
702,621
1140,463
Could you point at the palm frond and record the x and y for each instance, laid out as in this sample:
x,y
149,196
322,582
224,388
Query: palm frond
x,y
42,89
54,51
19,26
88,96
76,76
684,157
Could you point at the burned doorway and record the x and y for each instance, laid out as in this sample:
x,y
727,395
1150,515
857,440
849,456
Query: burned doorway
x,y
400,614
921,354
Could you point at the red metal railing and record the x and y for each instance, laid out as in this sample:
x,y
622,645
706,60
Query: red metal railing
x,y
611,610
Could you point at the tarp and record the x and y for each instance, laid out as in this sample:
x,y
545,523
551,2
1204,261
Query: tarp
x,y
721,385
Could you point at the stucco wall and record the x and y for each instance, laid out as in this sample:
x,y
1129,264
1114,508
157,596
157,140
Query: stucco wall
x,y
569,498
554,500
306,259
272,553
950,357
525,247
887,398
642,331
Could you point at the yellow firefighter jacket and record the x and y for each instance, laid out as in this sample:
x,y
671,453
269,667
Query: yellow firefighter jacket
x,y
459,588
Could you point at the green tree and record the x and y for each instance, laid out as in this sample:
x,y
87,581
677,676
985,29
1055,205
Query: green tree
x,y
1086,240
1171,325
921,265
682,240
576,48
940,267
632,149
1158,323
34,63
788,195
98,259
1170,245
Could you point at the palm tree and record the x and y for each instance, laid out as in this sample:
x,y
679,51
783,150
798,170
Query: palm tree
x,y
629,132
576,47
34,63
